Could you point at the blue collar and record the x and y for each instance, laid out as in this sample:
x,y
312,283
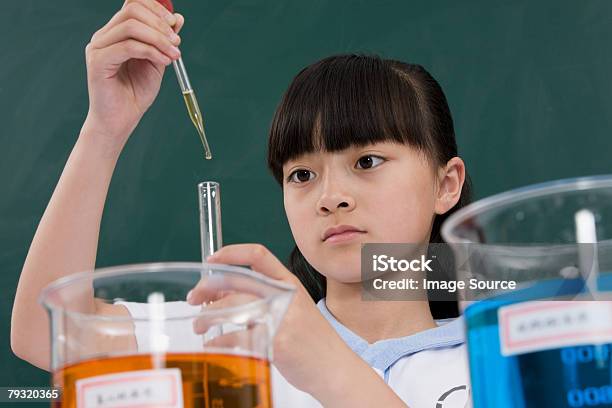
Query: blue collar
x,y
384,353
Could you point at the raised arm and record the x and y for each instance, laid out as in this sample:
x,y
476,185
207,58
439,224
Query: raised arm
x,y
125,63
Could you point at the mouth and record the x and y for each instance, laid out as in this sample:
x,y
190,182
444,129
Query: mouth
x,y
343,236
341,233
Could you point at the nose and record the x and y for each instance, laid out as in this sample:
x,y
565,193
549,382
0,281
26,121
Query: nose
x,y
334,199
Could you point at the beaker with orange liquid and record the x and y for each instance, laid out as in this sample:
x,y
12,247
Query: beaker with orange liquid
x,y
126,337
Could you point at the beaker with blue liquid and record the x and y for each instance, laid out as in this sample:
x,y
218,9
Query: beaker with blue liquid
x,y
548,343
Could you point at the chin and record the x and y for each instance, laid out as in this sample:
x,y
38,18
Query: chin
x,y
342,272
344,278
341,263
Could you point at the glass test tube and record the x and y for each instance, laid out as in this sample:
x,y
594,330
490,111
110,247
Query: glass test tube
x,y
210,218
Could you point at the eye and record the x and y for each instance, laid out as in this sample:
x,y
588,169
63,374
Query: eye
x,y
300,176
369,161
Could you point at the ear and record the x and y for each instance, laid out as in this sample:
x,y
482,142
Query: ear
x,y
450,182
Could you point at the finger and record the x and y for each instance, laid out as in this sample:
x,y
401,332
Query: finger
x,y
226,342
231,300
209,289
141,13
180,21
246,339
215,287
135,30
120,52
257,256
202,323
208,294
156,8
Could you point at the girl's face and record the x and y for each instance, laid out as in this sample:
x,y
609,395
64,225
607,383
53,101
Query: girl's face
x,y
386,192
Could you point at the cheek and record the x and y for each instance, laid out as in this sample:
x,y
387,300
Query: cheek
x,y
298,217
408,213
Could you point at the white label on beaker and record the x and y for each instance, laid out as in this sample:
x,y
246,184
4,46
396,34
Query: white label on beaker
x,y
160,388
544,325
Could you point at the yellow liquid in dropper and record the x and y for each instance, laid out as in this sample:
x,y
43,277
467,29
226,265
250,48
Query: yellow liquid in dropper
x,y
196,118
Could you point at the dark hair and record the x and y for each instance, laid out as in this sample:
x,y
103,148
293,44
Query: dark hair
x,y
354,100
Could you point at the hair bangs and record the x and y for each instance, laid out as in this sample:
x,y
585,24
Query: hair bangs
x,y
345,101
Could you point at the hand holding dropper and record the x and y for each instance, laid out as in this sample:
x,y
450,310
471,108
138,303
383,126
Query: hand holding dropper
x,y
188,92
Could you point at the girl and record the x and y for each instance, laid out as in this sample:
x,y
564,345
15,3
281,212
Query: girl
x,y
364,150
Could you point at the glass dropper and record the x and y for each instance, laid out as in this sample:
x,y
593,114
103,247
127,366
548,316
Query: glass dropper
x,y
192,103
188,93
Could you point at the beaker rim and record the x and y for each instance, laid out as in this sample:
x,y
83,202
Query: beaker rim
x,y
159,267
517,195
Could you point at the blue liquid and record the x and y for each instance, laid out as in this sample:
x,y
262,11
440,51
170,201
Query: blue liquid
x,y
568,377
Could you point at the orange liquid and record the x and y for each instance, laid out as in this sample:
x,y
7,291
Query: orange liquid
x,y
209,380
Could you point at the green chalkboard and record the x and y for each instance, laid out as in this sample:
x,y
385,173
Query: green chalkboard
x,y
528,84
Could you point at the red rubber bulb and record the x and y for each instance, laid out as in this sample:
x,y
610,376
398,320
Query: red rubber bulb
x,y
167,4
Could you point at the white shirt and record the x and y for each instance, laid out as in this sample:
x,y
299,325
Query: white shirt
x,y
428,369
